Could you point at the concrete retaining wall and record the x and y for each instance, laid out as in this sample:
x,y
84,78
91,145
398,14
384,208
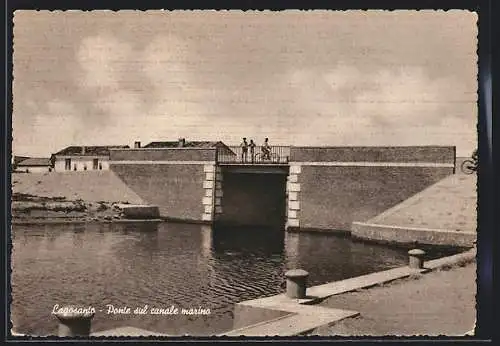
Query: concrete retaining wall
x,y
436,154
180,181
330,187
396,234
177,189
333,197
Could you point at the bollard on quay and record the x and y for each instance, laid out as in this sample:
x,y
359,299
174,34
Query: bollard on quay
x,y
74,321
296,281
416,258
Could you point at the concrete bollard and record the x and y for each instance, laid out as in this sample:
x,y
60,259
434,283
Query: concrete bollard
x,y
416,258
296,281
74,321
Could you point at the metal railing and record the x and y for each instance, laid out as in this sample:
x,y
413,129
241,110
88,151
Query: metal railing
x,y
273,155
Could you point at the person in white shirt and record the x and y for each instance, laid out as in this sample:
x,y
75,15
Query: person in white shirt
x,y
244,150
266,150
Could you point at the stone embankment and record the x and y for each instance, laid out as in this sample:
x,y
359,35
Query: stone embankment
x,y
75,197
27,209
442,214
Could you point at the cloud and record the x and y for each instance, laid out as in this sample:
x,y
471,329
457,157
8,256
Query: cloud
x,y
56,125
119,104
164,61
201,77
407,97
103,59
401,106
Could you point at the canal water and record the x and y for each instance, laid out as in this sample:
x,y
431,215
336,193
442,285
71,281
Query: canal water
x,y
164,265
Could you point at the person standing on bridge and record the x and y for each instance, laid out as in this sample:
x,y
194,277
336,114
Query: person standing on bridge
x,y
244,149
266,150
252,150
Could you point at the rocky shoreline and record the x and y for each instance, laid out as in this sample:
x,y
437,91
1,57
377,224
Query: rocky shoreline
x,y
28,208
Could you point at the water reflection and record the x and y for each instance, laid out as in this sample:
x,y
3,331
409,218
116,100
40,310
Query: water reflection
x,y
161,264
248,241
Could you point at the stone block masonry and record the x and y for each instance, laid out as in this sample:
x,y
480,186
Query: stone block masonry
x,y
218,192
212,194
293,192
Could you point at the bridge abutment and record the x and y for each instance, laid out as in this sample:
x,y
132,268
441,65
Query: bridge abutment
x,y
218,193
208,199
293,192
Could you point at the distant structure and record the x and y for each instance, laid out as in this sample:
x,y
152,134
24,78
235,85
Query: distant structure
x,y
182,143
17,159
34,165
83,158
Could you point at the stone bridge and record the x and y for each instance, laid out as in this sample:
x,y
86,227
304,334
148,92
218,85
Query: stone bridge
x,y
297,188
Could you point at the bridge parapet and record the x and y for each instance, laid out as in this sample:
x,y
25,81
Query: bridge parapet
x,y
274,155
422,154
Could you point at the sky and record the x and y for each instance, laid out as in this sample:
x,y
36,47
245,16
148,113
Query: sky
x,y
320,78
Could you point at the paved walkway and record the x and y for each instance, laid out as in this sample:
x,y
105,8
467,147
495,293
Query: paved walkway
x,y
437,303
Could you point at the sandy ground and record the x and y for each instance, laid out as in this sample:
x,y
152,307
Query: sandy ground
x,y
437,303
86,186
449,204
82,196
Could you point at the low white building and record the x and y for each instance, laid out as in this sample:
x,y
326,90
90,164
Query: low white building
x,y
34,165
83,158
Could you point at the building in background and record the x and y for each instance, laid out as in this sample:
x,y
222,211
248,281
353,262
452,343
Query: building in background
x,y
83,158
34,165
16,160
182,143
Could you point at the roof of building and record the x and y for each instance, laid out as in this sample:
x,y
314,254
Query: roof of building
x,y
187,144
35,161
18,158
100,150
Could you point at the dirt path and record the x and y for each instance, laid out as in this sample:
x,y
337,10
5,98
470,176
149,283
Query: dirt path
x,y
437,303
